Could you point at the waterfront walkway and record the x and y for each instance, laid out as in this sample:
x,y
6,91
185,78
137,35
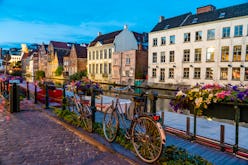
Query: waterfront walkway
x,y
35,136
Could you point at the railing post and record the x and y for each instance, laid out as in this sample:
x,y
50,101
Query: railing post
x,y
64,98
194,135
188,126
47,96
35,92
93,104
162,116
237,116
28,97
153,99
222,137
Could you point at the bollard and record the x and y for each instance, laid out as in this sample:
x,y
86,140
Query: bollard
x,y
64,98
47,97
14,100
222,137
28,97
35,93
188,126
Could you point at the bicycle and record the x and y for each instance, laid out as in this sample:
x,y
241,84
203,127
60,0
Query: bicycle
x,y
81,106
146,133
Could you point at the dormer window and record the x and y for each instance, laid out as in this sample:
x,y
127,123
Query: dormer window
x,y
195,20
222,15
166,26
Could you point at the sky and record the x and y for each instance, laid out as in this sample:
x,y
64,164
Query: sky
x,y
38,21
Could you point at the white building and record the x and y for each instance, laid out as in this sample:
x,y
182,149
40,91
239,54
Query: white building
x,y
210,46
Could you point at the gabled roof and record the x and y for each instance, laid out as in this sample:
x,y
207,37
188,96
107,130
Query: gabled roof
x,y
105,38
61,45
187,19
81,51
60,54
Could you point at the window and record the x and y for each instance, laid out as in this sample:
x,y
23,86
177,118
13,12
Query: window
x,y
171,72
110,53
198,55
89,68
110,68
97,55
100,54
93,58
100,68
211,34
222,15
93,68
246,74
163,40
198,36
224,53
223,73
197,73
172,39
162,74
186,37
186,73
238,30
237,53
89,55
127,61
209,73
162,57
154,71
105,53
155,42
186,55
210,55
195,20
127,73
172,56
235,73
154,57
226,32
96,68
105,68
246,55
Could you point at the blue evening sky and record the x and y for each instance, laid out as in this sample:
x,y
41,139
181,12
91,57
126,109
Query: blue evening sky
x,y
37,21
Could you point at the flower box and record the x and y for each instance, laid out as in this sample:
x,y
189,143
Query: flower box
x,y
225,111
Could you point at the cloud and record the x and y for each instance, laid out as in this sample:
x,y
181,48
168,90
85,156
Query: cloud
x,y
21,31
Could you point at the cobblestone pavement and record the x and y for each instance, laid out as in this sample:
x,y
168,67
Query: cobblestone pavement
x,y
30,137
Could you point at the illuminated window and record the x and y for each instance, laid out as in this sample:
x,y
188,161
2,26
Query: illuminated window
x,y
237,53
223,73
198,55
246,73
209,73
224,53
210,55
235,73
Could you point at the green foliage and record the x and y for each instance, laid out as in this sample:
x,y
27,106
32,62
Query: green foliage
x,y
78,75
16,73
59,71
39,74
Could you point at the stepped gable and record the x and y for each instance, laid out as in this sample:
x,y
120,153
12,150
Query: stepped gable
x,y
105,38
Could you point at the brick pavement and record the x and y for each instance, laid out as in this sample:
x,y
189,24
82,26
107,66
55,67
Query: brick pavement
x,y
31,137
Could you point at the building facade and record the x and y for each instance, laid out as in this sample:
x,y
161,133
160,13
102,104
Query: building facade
x,y
206,47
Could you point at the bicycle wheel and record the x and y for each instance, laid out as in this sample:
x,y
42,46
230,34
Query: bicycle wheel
x,y
86,118
110,124
147,139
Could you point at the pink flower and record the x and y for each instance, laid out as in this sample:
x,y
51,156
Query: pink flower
x,y
223,94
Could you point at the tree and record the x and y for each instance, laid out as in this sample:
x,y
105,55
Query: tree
x,y
59,71
78,75
39,74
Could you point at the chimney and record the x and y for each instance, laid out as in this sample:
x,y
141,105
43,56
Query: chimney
x,y
161,18
205,9
99,34
125,27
